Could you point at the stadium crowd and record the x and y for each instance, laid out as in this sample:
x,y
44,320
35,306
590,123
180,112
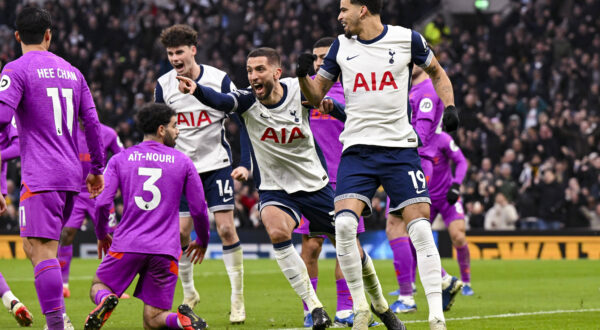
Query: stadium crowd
x,y
527,85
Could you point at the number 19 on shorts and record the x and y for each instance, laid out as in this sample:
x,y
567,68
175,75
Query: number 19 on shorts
x,y
417,178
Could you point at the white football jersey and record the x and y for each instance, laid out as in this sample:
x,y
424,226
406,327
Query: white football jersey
x,y
376,75
284,150
201,131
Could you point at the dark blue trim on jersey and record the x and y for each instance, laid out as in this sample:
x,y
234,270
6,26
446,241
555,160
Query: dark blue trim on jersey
x,y
420,52
226,84
379,37
158,94
201,72
321,156
331,69
285,93
215,100
254,166
409,109
339,111
245,158
224,141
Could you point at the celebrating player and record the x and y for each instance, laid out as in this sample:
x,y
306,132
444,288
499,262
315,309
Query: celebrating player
x,y
152,177
427,119
290,175
83,204
47,96
326,130
202,139
379,142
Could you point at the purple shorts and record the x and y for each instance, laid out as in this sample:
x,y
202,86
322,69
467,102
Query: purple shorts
x,y
43,214
82,206
304,223
158,276
449,212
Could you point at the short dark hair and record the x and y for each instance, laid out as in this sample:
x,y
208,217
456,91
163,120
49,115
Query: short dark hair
x,y
179,35
152,115
324,42
271,54
32,23
374,6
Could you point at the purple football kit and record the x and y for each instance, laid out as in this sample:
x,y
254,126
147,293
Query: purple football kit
x,y
83,205
152,177
442,179
326,130
9,149
47,95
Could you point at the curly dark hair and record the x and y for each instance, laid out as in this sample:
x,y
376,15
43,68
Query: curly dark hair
x,y
374,6
179,35
152,115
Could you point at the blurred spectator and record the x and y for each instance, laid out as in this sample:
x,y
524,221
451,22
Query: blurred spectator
x,y
502,216
551,201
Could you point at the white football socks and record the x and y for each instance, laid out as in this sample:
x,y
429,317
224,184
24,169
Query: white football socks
x,y
234,264
429,264
186,274
346,223
295,271
372,285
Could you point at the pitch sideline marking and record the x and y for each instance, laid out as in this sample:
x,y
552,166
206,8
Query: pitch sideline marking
x,y
468,318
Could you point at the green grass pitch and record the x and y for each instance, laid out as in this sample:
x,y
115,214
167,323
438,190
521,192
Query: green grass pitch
x,y
569,291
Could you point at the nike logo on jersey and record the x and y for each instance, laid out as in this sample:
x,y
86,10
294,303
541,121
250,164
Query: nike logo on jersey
x,y
348,58
420,191
172,101
264,116
225,200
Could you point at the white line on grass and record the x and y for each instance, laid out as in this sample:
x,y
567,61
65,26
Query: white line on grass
x,y
479,317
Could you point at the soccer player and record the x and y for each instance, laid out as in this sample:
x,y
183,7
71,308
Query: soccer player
x,y
428,110
380,145
47,95
203,140
83,204
152,176
326,130
290,175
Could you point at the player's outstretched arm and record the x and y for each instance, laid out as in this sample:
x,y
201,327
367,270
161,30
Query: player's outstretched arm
x,y
220,101
314,90
443,88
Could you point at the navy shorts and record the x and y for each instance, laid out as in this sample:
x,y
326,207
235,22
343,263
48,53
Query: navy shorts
x,y
218,191
364,168
316,206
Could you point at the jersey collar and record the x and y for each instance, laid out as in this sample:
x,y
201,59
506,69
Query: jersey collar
x,y
273,106
379,37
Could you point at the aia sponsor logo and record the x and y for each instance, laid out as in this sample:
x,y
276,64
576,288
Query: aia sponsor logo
x,y
374,83
282,137
191,119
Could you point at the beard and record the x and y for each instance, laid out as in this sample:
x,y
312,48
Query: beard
x,y
268,89
169,140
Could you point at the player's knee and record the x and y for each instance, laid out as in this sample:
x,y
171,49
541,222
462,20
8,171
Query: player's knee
x,y
226,232
458,239
415,211
67,236
346,223
278,234
313,248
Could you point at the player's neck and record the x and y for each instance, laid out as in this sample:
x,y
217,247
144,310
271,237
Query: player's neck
x,y
28,48
420,78
155,138
195,72
371,28
275,96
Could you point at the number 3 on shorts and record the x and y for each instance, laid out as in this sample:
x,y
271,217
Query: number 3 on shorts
x,y
421,178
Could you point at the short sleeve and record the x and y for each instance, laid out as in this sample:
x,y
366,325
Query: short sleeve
x,y
420,52
11,86
330,68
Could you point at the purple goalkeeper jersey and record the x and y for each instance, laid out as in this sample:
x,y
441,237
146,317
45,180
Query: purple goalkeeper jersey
x,y
327,130
9,149
110,141
47,96
152,177
427,111
442,177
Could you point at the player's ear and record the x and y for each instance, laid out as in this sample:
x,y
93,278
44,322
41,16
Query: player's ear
x,y
363,12
194,50
48,35
277,73
17,37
